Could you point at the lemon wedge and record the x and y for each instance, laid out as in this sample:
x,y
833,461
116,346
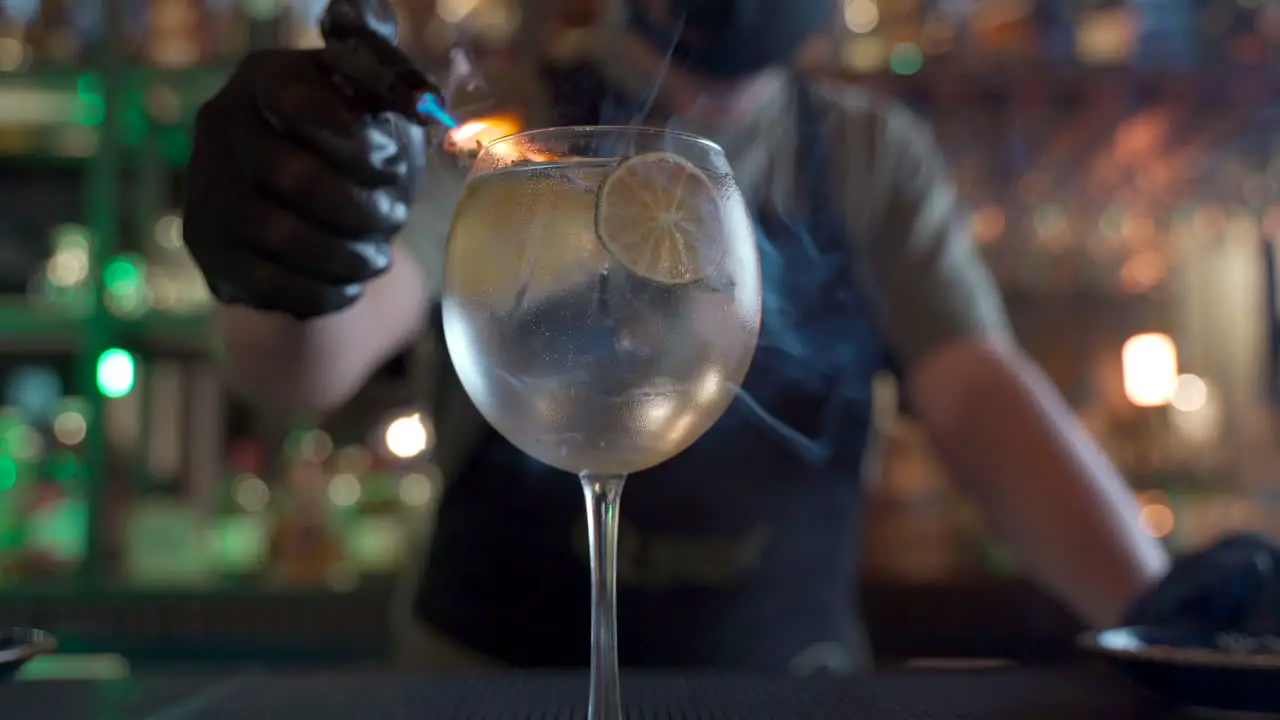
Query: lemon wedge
x,y
659,215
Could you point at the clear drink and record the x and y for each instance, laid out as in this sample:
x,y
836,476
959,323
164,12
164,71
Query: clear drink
x,y
574,358
601,304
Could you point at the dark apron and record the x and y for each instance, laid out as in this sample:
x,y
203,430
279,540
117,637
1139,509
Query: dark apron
x,y
739,553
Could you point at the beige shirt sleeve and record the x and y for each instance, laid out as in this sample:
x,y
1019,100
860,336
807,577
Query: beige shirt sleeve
x,y
911,233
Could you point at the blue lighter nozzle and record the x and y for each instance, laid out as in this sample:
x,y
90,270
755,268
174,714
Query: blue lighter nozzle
x,y
431,106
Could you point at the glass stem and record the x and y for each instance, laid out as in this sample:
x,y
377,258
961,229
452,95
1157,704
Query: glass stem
x,y
604,496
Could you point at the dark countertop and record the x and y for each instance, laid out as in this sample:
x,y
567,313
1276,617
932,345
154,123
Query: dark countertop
x,y
973,617
1065,693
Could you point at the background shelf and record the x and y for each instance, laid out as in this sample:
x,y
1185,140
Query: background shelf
x,y
56,117
91,163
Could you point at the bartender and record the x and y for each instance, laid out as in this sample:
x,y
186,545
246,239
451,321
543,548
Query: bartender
x,y
321,236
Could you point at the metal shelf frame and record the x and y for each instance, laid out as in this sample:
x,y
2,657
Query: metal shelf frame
x,y
103,215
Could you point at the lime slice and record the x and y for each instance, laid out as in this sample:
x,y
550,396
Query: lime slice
x,y
659,216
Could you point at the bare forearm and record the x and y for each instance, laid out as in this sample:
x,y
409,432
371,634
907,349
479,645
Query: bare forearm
x,y
305,369
1044,484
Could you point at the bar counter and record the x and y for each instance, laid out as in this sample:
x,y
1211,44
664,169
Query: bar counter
x,y
967,618
1053,693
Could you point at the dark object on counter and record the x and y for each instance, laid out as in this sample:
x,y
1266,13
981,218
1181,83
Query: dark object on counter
x,y
1195,669
1208,635
1232,586
18,645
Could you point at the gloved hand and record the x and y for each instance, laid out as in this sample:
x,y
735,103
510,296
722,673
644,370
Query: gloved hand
x,y
295,188
1230,587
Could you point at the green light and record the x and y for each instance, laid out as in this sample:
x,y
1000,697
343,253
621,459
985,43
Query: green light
x,y
62,466
91,106
134,124
116,373
91,112
906,59
18,441
89,86
175,145
124,278
8,472
123,275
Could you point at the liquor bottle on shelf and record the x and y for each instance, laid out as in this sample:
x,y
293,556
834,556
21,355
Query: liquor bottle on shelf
x,y
124,280
919,532
175,35
242,526
242,507
1056,32
15,54
1168,36
13,499
41,512
374,528
306,548
56,516
418,488
206,423
227,29
43,501
62,285
1004,29
166,541
54,36
1107,35
174,283
163,536
168,407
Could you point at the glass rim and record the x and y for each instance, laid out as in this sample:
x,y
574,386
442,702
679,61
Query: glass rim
x,y
570,129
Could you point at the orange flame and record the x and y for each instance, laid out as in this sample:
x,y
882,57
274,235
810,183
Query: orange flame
x,y
474,134
469,137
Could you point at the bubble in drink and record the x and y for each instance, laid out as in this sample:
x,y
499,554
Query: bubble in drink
x,y
583,355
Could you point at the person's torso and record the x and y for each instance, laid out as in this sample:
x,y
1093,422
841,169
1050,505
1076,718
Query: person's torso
x,y
740,552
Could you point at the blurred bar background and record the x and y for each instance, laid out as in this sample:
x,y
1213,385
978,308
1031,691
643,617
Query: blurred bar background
x,y
1124,175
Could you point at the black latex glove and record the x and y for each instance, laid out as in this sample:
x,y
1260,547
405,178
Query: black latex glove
x,y
295,189
1230,587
